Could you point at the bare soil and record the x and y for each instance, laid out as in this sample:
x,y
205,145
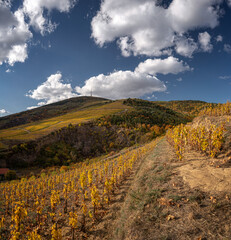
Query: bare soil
x,y
205,174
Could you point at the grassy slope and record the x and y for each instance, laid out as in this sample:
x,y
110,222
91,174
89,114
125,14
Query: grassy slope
x,y
190,107
41,121
41,128
51,110
148,112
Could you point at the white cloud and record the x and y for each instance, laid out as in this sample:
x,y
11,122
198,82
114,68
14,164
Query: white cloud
x,y
142,27
192,14
185,46
162,66
32,107
18,53
14,34
204,40
36,11
179,79
3,112
53,90
15,26
137,83
227,48
219,38
121,84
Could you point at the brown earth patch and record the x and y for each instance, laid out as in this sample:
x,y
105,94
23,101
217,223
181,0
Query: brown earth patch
x,y
198,174
204,173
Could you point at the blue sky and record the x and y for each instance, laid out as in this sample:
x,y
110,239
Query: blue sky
x,y
57,49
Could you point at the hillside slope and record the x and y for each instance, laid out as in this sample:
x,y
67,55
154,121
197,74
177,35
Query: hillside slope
x,y
50,110
189,107
151,200
86,133
139,193
40,128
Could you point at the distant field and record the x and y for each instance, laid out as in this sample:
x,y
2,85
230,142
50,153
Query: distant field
x,y
38,129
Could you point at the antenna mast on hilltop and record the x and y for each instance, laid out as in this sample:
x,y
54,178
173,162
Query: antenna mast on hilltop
x,y
91,92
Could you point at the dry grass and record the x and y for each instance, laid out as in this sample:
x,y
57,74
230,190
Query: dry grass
x,y
38,129
160,205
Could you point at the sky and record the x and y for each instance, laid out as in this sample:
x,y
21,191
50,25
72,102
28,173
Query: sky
x,y
51,50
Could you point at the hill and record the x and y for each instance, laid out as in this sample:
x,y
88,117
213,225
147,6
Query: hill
x,y
173,187
189,107
36,129
91,130
50,110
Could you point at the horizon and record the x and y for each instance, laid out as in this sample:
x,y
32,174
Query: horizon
x,y
102,98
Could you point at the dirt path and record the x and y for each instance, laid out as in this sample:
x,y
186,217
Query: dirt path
x,y
157,202
161,205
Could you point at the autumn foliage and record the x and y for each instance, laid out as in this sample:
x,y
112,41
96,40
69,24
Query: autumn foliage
x,y
205,139
72,198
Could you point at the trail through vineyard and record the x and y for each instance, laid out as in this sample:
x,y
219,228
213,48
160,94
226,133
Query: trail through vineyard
x,y
141,193
172,199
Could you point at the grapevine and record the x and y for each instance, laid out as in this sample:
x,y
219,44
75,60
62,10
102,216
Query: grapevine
x,y
77,196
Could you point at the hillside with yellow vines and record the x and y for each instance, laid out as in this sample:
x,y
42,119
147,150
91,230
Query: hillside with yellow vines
x,y
41,128
173,187
68,202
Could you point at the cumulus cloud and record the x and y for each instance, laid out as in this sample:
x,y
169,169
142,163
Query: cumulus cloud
x,y
143,27
162,66
137,83
15,26
52,90
227,48
185,46
204,40
14,35
36,11
121,84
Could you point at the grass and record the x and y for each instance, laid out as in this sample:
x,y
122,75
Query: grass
x,y
41,128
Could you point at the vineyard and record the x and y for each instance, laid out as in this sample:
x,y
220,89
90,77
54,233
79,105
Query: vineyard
x,y
65,204
41,128
219,110
207,140
80,197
